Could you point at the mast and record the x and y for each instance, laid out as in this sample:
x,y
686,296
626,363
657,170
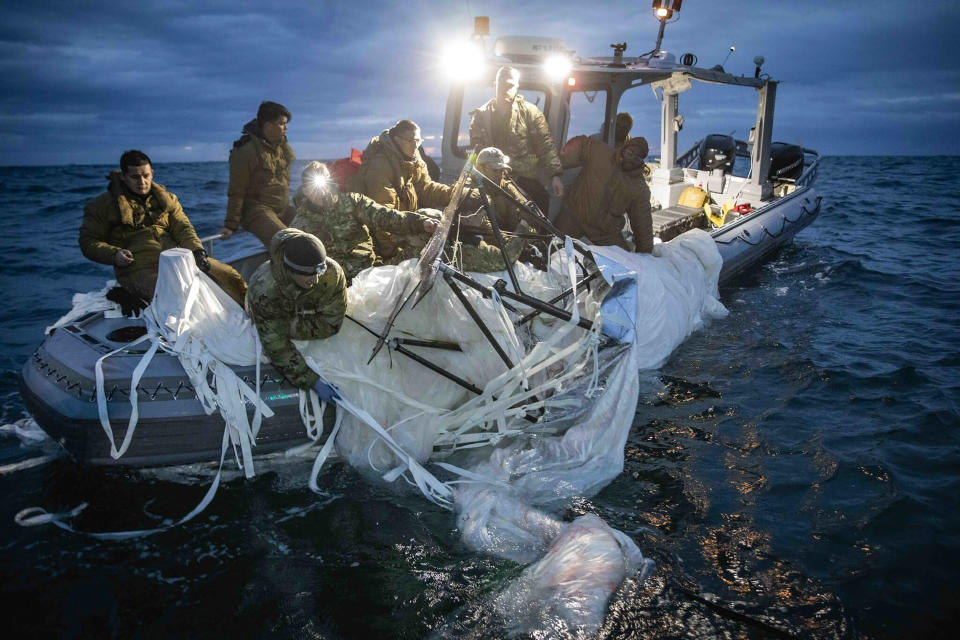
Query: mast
x,y
759,185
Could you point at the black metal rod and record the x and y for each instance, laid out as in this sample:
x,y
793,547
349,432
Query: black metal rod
x,y
556,299
530,301
529,211
432,344
484,290
479,322
437,369
399,348
549,309
458,380
497,235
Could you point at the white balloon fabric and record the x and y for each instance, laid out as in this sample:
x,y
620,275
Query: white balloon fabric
x,y
505,474
523,473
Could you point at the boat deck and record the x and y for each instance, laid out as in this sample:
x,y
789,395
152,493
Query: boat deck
x,y
670,222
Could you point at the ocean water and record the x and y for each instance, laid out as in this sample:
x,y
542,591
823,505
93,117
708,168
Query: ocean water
x,y
793,469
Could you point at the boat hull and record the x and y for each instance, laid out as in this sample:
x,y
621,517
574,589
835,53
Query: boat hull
x,y
58,382
748,241
58,387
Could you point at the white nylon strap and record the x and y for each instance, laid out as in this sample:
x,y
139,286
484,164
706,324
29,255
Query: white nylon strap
x,y
34,516
134,381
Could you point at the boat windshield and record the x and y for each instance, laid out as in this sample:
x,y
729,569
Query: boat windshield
x,y
587,112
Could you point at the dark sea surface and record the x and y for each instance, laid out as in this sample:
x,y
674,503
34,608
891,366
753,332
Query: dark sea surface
x,y
794,469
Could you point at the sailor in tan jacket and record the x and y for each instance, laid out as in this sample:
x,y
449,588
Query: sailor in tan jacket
x,y
259,191
393,174
612,184
134,220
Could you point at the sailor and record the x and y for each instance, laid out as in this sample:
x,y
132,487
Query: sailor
x,y
346,222
621,130
299,294
517,127
495,165
611,184
395,175
134,220
258,194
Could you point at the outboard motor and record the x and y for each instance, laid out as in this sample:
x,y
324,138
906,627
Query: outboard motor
x,y
786,161
717,151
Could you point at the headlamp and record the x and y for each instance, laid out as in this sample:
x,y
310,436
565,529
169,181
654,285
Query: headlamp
x,y
305,270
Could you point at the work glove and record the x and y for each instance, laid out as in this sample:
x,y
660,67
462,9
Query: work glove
x,y
130,303
203,262
326,391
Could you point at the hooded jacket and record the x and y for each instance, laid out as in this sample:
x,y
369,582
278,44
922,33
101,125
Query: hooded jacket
x,y
525,137
395,180
346,227
259,174
283,311
603,193
145,226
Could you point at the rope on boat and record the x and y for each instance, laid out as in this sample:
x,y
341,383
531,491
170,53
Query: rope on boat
x,y
786,221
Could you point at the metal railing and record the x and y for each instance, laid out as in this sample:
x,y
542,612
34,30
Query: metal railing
x,y
207,242
810,167
809,170
689,155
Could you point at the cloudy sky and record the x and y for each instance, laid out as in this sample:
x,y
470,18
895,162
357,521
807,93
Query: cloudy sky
x,y
83,81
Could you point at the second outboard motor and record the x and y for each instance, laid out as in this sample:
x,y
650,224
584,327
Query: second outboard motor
x,y
717,151
786,161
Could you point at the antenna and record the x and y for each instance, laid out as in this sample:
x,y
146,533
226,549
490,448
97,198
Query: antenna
x,y
729,53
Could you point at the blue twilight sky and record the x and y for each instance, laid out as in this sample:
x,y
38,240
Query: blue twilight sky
x,y
85,80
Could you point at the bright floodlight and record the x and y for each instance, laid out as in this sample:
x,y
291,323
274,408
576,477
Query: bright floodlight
x,y
557,66
463,61
665,9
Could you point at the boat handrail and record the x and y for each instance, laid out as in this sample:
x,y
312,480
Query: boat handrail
x,y
809,170
689,155
207,242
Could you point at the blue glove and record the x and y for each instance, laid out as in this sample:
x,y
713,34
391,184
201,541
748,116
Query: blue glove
x,y
326,391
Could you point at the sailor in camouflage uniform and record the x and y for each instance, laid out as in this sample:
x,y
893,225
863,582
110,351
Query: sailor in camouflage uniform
x,y
346,222
299,294
510,123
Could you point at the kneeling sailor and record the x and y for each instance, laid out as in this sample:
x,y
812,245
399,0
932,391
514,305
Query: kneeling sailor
x,y
299,294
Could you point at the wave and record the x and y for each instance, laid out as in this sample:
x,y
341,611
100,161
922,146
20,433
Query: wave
x,y
88,189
